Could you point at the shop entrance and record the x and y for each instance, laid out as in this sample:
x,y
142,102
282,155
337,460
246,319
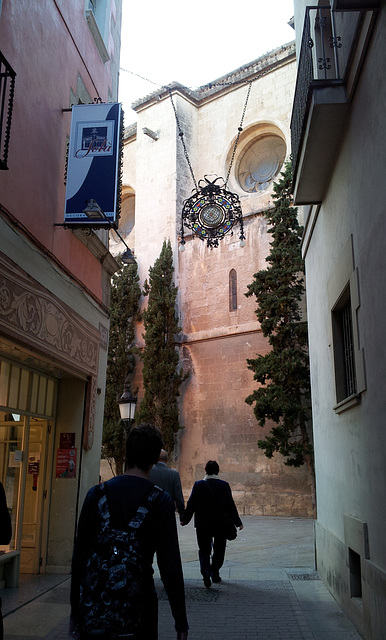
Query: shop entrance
x,y
33,537
24,447
27,402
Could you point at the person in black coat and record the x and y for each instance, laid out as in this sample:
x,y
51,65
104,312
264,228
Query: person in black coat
x,y
210,499
5,535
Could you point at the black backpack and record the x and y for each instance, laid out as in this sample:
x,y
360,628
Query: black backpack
x,y
111,595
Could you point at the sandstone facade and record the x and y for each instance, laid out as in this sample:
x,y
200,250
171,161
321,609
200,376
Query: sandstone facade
x,y
217,337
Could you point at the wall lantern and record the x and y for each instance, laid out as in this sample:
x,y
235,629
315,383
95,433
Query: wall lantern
x,y
127,404
94,212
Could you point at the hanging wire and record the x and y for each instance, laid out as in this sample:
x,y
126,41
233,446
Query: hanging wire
x,y
240,128
209,86
181,134
139,76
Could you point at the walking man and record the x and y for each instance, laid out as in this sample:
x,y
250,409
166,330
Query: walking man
x,y
169,480
212,504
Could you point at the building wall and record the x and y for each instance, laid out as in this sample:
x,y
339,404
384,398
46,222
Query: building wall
x,y
41,50
347,242
219,425
215,343
54,317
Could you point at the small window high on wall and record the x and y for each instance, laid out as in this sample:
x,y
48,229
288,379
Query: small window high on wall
x,y
348,357
345,373
232,290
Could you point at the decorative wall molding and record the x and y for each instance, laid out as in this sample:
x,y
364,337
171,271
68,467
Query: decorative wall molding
x,y
36,317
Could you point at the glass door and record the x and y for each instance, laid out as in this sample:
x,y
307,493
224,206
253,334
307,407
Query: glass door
x,y
32,542
12,435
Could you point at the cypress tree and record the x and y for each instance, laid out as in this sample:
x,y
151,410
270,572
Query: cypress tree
x,y
124,310
161,375
283,394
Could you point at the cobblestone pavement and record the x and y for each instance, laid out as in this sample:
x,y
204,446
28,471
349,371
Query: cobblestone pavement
x,y
269,591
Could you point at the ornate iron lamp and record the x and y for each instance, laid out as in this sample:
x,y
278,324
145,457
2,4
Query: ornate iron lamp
x,y
127,404
211,212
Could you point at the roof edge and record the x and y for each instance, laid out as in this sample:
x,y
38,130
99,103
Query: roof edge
x,y
263,64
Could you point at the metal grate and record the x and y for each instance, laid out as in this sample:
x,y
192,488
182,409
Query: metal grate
x,y
318,64
7,90
303,576
348,346
193,594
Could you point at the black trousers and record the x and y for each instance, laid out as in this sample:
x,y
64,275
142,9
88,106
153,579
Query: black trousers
x,y
211,550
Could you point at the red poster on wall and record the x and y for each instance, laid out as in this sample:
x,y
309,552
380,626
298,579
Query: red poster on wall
x,y
66,463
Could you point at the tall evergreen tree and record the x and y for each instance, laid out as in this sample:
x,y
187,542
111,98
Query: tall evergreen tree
x,y
124,310
161,375
283,395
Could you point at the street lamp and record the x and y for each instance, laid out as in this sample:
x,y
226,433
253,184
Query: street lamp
x,y
127,257
94,212
127,404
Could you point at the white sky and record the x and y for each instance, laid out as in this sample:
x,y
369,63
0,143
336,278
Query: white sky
x,y
194,42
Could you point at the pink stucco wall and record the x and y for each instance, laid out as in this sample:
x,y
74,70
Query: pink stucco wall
x,y
49,45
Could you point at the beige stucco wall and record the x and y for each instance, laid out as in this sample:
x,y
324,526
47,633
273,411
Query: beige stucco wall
x,y
355,211
350,445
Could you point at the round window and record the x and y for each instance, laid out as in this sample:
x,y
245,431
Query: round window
x,y
260,163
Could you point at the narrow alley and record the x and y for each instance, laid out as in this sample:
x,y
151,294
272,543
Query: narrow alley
x,y
270,590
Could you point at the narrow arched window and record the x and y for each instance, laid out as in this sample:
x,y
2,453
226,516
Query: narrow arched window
x,y
232,290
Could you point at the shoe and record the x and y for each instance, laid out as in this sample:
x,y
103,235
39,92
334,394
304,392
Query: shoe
x,y
216,577
207,582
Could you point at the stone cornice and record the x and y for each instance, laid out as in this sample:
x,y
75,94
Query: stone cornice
x,y
229,82
219,333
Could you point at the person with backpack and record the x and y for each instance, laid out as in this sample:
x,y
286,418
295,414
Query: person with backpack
x,y
123,523
215,518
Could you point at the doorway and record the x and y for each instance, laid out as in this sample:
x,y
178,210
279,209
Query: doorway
x,y
34,538
24,447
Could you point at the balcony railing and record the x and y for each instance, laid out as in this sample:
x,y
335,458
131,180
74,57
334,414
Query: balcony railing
x,y
326,49
7,90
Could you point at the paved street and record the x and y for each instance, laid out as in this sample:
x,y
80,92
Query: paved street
x,y
269,591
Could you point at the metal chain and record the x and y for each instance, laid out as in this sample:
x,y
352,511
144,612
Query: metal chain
x,y
181,134
240,128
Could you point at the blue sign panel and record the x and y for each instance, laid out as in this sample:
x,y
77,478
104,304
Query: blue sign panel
x,y
93,165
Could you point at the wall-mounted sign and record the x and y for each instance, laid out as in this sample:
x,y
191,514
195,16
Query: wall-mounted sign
x,y
15,458
66,463
67,441
93,170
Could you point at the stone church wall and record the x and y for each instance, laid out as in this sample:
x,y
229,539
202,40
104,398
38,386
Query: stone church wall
x,y
216,342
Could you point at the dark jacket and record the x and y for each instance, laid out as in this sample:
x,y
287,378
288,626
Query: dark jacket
x,y
5,520
209,503
169,480
157,535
